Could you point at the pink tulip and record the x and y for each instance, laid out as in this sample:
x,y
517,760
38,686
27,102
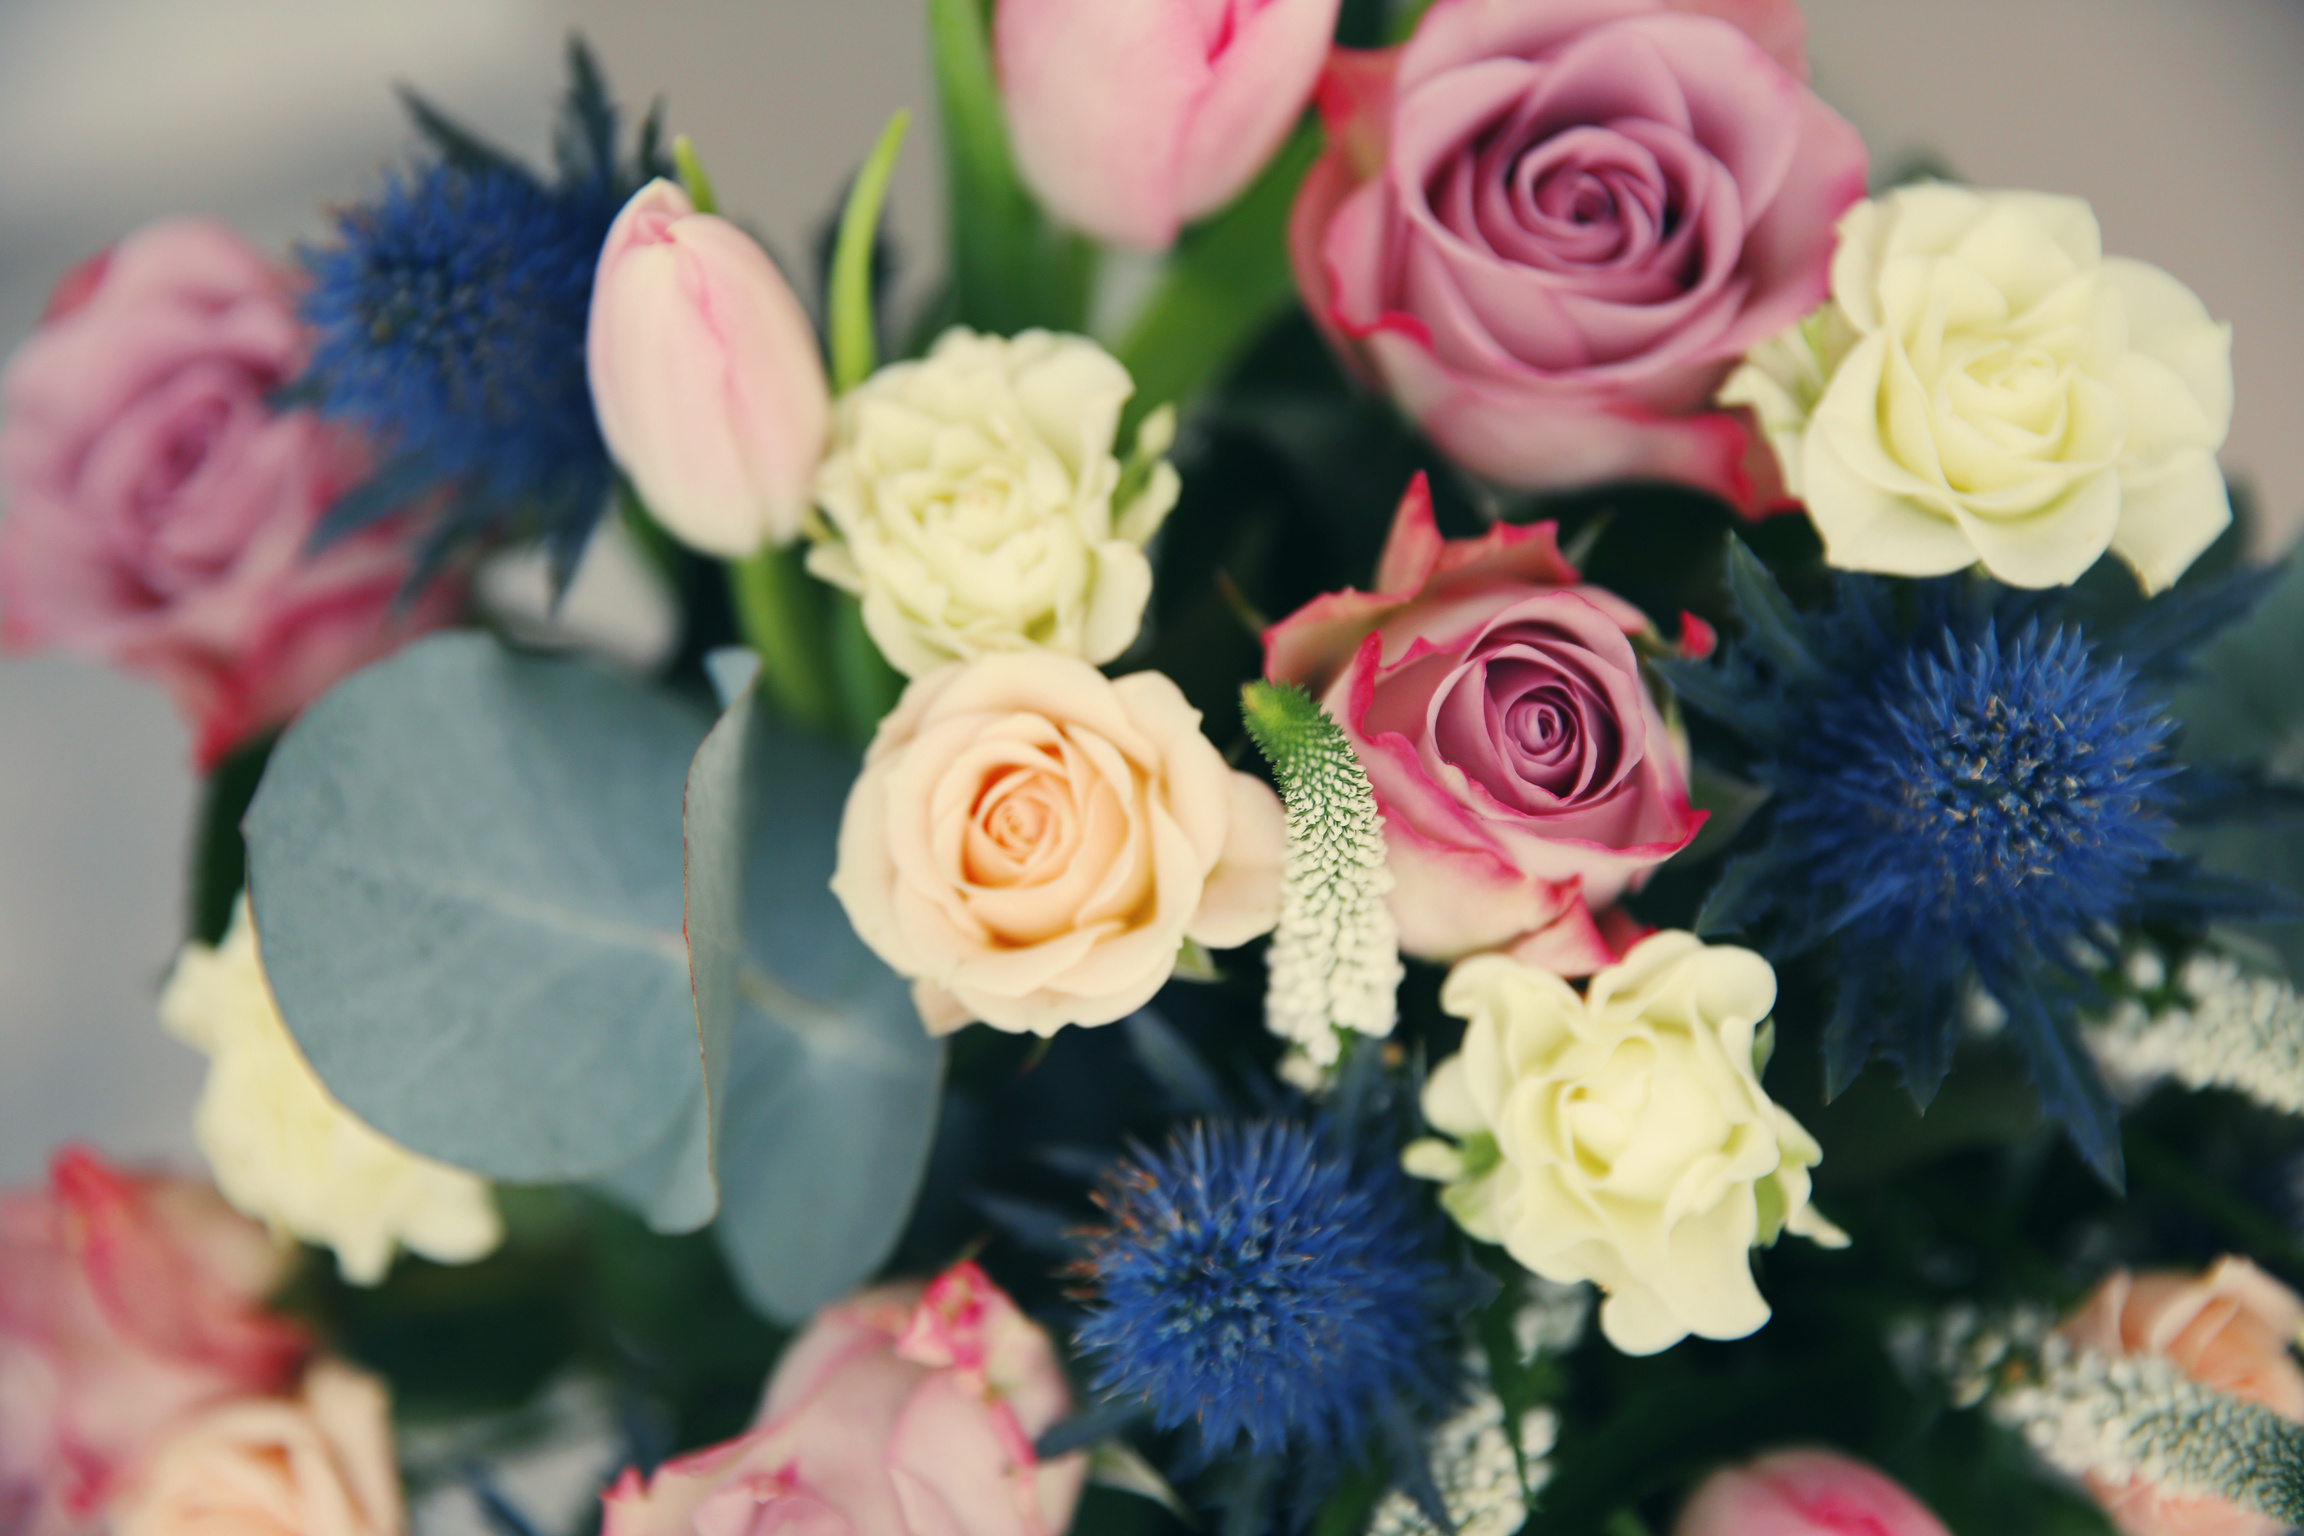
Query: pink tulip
x,y
1804,1493
126,1303
706,376
1132,117
906,1411
1550,228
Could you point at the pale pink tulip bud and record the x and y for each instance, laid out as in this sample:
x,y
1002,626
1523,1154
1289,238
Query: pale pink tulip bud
x,y
706,376
1132,117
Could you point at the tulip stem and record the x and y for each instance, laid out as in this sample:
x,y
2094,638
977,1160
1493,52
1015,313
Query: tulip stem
x,y
868,685
780,609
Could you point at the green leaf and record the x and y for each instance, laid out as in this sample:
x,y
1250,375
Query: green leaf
x,y
466,869
219,858
1011,269
693,181
1227,281
823,1083
849,302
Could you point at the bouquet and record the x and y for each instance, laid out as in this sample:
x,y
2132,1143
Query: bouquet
x,y
1476,794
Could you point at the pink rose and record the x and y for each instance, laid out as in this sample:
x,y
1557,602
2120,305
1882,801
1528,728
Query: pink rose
x,y
1526,775
319,1464
1132,117
1551,227
158,506
906,1411
126,1302
2230,1329
1804,1493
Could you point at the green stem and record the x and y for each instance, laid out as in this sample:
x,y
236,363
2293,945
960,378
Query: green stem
x,y
1625,1522
869,687
779,607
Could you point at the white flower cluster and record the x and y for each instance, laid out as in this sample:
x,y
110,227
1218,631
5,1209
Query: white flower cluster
x,y
2120,1417
1479,1472
1552,1316
2234,1029
1335,957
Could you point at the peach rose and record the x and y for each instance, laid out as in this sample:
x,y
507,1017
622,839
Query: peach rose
x,y
1031,843
127,1301
2231,1329
905,1411
318,1465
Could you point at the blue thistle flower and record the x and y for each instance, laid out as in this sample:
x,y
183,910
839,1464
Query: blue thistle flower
x,y
1965,796
1258,1289
449,318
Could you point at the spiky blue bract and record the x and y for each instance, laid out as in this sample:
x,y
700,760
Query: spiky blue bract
x,y
449,320
1258,1289
1966,796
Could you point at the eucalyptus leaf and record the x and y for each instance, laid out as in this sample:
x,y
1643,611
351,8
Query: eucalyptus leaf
x,y
823,1085
466,871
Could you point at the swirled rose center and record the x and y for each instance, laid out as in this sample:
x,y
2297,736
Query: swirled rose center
x,y
1023,827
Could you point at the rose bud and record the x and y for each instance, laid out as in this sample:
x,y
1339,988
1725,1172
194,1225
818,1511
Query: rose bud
x,y
1804,1493
706,376
1132,117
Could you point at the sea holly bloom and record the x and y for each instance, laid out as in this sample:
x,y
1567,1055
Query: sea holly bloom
x,y
1527,775
1550,230
1265,1291
127,1302
161,506
706,376
909,1410
1986,386
1133,117
1621,1135
1969,796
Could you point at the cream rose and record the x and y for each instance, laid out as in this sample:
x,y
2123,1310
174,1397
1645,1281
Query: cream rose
x,y
1031,843
1622,1136
285,1152
1986,385
265,1466
974,502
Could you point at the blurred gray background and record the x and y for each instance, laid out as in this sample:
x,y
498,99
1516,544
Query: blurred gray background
x,y
2181,120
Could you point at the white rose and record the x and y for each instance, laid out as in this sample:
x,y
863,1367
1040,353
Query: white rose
x,y
285,1152
1622,1136
1031,843
1986,385
970,499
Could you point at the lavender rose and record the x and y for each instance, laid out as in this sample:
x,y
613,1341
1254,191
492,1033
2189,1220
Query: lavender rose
x,y
1527,778
1550,227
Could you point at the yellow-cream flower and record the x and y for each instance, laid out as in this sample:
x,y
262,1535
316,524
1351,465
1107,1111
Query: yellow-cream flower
x,y
1985,385
974,501
287,1153
1622,1136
